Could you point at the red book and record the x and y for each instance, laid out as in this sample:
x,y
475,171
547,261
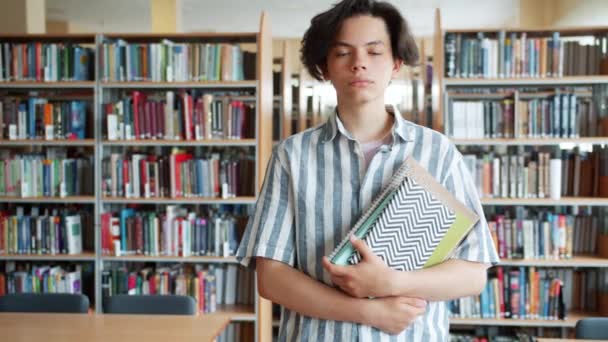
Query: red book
x,y
125,177
137,97
160,113
132,282
147,120
39,71
143,179
106,234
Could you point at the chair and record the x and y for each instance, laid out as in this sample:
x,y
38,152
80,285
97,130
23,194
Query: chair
x,y
44,302
150,305
592,328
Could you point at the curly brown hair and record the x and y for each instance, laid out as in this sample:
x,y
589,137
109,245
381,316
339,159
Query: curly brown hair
x,y
321,34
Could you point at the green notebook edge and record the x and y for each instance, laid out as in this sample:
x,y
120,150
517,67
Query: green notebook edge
x,y
452,238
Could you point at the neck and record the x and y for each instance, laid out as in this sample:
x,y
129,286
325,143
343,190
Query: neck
x,y
365,122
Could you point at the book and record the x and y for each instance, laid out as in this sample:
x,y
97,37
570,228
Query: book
x,y
414,223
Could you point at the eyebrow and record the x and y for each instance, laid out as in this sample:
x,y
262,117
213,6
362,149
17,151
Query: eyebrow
x,y
341,43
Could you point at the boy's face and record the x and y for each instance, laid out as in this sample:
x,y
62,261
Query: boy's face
x,y
360,64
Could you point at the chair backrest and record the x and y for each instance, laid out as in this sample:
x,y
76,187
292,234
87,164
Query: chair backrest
x,y
150,305
44,302
592,328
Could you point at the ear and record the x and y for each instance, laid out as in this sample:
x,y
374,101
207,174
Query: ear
x,y
397,64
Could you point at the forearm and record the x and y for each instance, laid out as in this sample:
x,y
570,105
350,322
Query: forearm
x,y
451,279
298,292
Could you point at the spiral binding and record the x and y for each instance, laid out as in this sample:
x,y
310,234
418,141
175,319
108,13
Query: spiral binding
x,y
398,178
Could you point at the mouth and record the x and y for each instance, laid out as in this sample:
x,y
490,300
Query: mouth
x,y
360,83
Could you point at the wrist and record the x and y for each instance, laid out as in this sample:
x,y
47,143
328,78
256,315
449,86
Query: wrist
x,y
398,283
365,314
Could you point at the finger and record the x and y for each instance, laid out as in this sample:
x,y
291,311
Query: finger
x,y
361,247
336,270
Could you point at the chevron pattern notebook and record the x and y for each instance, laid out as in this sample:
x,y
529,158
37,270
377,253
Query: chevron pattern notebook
x,y
414,223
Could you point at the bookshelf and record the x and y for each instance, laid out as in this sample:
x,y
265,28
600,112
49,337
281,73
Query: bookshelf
x,y
100,91
578,80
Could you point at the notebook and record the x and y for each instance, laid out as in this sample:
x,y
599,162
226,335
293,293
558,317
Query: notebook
x,y
414,223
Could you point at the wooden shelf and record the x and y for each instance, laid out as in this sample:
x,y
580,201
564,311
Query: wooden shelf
x,y
237,313
58,142
172,85
549,81
69,199
193,259
50,257
193,200
162,142
537,30
501,95
569,201
569,322
531,141
576,261
235,37
44,85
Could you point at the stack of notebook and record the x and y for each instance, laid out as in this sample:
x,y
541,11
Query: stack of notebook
x,y
414,223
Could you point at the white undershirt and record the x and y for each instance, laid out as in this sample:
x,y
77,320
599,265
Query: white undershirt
x,y
370,148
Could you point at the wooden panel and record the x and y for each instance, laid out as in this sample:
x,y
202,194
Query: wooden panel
x,y
437,86
265,95
286,92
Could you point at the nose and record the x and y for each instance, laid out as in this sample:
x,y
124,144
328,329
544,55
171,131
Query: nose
x,y
359,62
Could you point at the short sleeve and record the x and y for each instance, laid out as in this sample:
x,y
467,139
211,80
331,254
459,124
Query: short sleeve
x,y
269,232
478,245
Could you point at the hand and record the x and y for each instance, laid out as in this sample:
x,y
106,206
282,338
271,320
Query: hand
x,y
394,314
371,277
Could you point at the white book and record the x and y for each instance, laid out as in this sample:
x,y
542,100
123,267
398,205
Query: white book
x,y
74,234
219,285
73,282
112,127
22,124
231,284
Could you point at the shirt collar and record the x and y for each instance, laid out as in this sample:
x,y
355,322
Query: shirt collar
x,y
401,127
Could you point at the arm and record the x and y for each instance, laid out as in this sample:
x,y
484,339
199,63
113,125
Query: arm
x,y
291,288
282,284
451,279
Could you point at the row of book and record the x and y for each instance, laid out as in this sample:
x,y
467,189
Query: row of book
x,y
534,293
181,116
509,54
545,235
210,285
42,118
531,175
180,174
37,175
177,232
45,62
557,116
500,334
53,231
168,61
41,279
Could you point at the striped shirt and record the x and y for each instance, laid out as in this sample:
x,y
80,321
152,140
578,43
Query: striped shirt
x,y
315,189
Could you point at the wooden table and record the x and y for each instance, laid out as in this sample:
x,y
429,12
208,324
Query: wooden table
x,y
21,327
